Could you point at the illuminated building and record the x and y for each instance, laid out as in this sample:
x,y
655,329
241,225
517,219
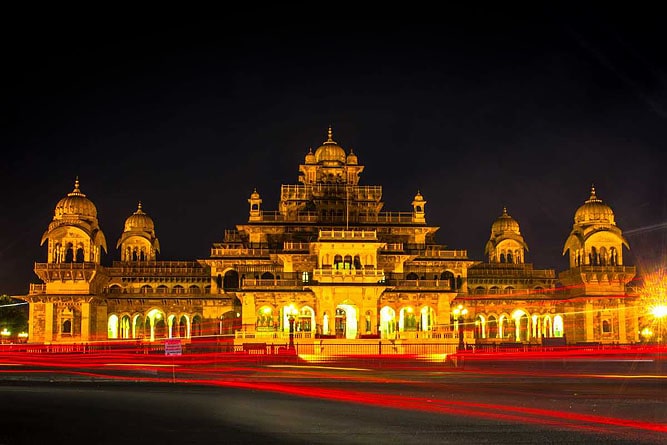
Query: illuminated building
x,y
330,262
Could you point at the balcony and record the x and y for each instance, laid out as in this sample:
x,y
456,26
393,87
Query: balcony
x,y
253,283
37,289
348,276
217,252
347,235
439,285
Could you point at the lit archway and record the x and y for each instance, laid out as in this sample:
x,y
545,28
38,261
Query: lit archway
x,y
387,322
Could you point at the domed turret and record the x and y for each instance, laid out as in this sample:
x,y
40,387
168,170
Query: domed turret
x,y
506,244
310,157
505,223
138,241
330,152
74,234
139,221
352,158
594,211
75,204
595,239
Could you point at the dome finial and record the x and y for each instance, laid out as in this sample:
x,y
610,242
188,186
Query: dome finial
x,y
139,208
505,211
329,135
593,197
77,190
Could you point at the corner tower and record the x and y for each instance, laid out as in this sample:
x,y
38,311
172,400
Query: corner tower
x,y
68,306
74,235
595,247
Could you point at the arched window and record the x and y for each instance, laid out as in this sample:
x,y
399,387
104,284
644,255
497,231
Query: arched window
x,y
448,276
493,326
196,330
79,254
69,253
67,327
231,280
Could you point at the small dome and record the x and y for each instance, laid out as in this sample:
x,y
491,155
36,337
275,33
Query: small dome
x,y
254,194
352,158
419,197
505,223
310,157
139,221
594,211
75,204
330,151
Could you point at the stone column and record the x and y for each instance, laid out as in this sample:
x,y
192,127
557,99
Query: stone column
x,y
85,321
48,322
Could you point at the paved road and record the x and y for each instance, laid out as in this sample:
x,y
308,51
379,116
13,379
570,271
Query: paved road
x,y
113,413
265,402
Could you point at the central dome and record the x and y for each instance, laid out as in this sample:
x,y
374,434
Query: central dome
x,y
594,211
330,151
75,204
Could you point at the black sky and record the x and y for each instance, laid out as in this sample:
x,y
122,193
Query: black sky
x,y
488,108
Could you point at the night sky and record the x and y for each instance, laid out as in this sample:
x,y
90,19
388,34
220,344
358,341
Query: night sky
x,y
488,108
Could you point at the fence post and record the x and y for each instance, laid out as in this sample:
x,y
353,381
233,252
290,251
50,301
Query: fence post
x,y
380,347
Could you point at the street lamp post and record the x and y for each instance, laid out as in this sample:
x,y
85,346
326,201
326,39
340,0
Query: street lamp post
x,y
459,315
291,331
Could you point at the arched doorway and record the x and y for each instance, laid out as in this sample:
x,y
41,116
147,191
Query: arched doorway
x,y
387,322
346,321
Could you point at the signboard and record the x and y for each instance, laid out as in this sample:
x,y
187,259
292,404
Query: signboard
x,y
172,346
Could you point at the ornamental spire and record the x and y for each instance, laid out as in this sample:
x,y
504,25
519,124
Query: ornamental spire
x,y
593,197
77,190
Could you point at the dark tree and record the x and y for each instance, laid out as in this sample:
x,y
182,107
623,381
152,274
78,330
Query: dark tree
x,y
13,315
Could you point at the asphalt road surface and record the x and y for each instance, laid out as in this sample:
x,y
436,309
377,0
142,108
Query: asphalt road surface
x,y
538,403
113,413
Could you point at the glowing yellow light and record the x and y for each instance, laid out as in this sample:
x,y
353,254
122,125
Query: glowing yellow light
x,y
5,333
646,333
459,310
291,310
659,311
23,335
